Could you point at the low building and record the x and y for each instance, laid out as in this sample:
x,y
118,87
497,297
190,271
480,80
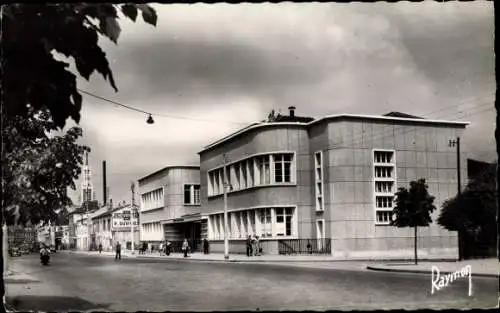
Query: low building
x,y
328,185
113,225
170,205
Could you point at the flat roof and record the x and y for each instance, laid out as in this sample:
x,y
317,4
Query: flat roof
x,y
333,117
168,168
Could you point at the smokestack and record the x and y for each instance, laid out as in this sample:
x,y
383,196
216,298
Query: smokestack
x,y
104,187
292,111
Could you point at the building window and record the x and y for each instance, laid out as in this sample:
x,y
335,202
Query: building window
x,y
152,200
264,169
254,171
318,173
192,194
282,168
265,222
384,169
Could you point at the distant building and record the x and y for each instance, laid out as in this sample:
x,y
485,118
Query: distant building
x,y
170,205
80,220
21,236
328,185
112,225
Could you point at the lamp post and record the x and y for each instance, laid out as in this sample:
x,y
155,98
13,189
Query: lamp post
x,y
226,241
132,188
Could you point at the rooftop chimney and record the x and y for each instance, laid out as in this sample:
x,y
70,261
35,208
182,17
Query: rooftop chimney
x,y
292,111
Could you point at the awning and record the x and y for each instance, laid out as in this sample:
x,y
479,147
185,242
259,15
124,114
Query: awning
x,y
184,219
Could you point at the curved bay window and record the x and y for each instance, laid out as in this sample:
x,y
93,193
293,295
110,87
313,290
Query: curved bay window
x,y
259,170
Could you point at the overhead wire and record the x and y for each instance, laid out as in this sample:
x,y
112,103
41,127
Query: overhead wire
x,y
156,114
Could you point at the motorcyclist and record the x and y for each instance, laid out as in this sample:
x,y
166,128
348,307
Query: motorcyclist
x,y
44,252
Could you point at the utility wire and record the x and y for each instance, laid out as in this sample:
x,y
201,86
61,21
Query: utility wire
x,y
156,114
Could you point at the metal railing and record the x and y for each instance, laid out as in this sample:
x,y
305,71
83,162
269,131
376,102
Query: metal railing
x,y
305,246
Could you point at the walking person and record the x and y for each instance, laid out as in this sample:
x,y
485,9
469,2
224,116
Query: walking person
x,y
257,244
100,248
206,246
249,246
185,248
118,251
254,245
168,247
161,248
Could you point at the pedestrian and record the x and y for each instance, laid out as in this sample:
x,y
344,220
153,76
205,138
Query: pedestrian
x,y
185,248
100,248
118,251
254,245
206,246
149,247
168,247
161,248
257,244
249,246
144,247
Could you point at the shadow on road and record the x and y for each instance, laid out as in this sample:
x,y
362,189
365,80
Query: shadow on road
x,y
20,281
52,303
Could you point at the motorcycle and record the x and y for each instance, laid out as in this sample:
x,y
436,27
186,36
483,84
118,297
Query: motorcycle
x,y
44,257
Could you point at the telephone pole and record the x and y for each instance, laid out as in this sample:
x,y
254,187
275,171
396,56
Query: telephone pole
x,y
226,241
453,143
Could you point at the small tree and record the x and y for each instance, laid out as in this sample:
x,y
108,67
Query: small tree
x,y
413,208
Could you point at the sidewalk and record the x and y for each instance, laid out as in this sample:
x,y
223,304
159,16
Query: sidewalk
x,y
215,257
479,267
219,257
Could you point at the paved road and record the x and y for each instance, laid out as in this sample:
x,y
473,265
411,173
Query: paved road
x,y
81,282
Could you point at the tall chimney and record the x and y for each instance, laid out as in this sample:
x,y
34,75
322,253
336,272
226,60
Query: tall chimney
x,y
292,111
104,187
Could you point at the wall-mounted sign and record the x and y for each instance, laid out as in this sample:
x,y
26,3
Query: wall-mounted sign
x,y
122,219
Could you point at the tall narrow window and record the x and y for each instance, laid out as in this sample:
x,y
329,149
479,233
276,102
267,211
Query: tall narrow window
x,y
384,184
318,172
282,168
265,221
265,174
192,194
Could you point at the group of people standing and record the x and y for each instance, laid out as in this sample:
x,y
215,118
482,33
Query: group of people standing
x,y
165,248
253,246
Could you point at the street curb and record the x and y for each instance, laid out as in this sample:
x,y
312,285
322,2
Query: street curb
x,y
258,261
383,269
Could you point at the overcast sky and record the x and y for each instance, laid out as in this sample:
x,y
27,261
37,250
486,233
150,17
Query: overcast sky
x,y
224,66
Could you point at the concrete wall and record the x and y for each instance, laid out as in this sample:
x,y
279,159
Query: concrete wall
x,y
291,138
421,152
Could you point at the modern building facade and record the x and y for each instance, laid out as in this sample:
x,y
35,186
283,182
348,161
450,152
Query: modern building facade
x,y
329,181
170,205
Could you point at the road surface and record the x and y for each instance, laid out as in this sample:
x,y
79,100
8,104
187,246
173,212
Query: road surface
x,y
83,282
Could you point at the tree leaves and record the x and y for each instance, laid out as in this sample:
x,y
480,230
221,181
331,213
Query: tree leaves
x,y
148,14
39,93
414,206
474,210
130,11
110,28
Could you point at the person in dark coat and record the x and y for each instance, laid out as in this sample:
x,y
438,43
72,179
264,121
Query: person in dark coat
x,y
118,251
249,246
100,248
206,246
